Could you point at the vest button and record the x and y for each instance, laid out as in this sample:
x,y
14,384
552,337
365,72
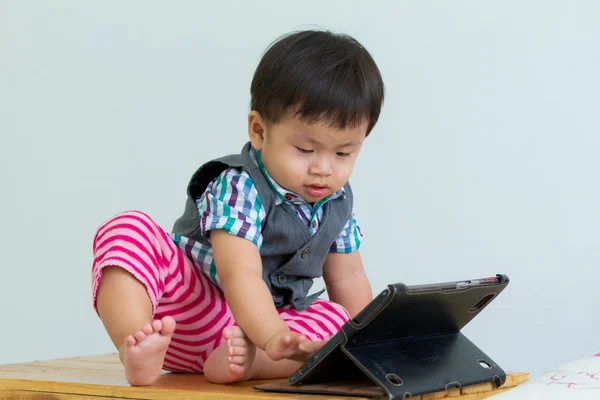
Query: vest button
x,y
281,279
305,253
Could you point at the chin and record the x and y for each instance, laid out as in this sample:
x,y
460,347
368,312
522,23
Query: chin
x,y
311,199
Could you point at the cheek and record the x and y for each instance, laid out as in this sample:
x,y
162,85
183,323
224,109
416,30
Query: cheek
x,y
344,170
289,165
298,166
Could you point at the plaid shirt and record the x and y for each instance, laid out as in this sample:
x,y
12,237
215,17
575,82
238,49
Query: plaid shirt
x,y
231,202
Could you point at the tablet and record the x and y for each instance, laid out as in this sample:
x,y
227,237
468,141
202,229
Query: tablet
x,y
409,338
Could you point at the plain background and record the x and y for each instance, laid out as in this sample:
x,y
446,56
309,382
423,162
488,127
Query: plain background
x,y
485,159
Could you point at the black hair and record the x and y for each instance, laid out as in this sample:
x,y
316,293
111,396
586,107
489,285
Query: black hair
x,y
329,77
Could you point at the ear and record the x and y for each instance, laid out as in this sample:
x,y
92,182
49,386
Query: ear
x,y
257,129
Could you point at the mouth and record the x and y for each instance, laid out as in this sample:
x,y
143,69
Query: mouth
x,y
317,190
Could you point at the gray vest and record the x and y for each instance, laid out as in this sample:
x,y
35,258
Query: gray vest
x,y
291,257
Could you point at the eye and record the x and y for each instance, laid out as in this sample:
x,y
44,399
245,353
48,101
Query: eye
x,y
340,154
303,151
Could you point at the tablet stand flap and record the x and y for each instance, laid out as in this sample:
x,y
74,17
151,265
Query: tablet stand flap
x,y
413,366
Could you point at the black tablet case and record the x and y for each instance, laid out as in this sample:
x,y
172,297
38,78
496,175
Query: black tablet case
x,y
404,343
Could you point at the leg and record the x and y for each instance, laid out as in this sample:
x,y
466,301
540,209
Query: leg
x,y
141,274
124,307
169,277
127,264
319,322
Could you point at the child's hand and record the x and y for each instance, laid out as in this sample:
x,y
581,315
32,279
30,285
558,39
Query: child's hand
x,y
292,346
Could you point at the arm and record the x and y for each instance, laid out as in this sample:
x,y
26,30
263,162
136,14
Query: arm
x,y
237,259
248,297
346,281
236,254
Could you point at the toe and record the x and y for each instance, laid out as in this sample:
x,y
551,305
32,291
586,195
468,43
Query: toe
x,y
233,332
239,360
238,351
156,325
227,333
139,336
168,325
239,342
236,369
130,340
147,329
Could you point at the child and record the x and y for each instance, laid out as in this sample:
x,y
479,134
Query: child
x,y
226,292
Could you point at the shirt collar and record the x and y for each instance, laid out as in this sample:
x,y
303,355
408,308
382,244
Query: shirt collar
x,y
284,194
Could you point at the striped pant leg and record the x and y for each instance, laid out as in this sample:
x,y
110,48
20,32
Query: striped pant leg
x,y
175,286
321,320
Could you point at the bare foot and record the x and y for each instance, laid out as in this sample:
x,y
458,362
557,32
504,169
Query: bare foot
x,y
231,361
292,346
144,351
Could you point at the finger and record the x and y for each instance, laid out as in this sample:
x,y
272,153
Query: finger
x,y
286,340
299,338
295,339
311,346
294,344
283,344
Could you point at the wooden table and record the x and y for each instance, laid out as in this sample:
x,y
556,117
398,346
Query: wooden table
x,y
102,377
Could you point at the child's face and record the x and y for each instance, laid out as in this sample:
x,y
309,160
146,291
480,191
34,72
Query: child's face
x,y
312,160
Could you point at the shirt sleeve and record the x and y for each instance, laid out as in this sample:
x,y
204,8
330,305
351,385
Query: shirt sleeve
x,y
231,203
349,239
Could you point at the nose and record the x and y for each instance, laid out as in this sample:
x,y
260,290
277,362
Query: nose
x,y
321,167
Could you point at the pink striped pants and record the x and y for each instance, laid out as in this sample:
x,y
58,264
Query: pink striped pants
x,y
177,288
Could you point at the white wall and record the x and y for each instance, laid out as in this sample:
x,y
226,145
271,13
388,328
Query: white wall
x,y
487,147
